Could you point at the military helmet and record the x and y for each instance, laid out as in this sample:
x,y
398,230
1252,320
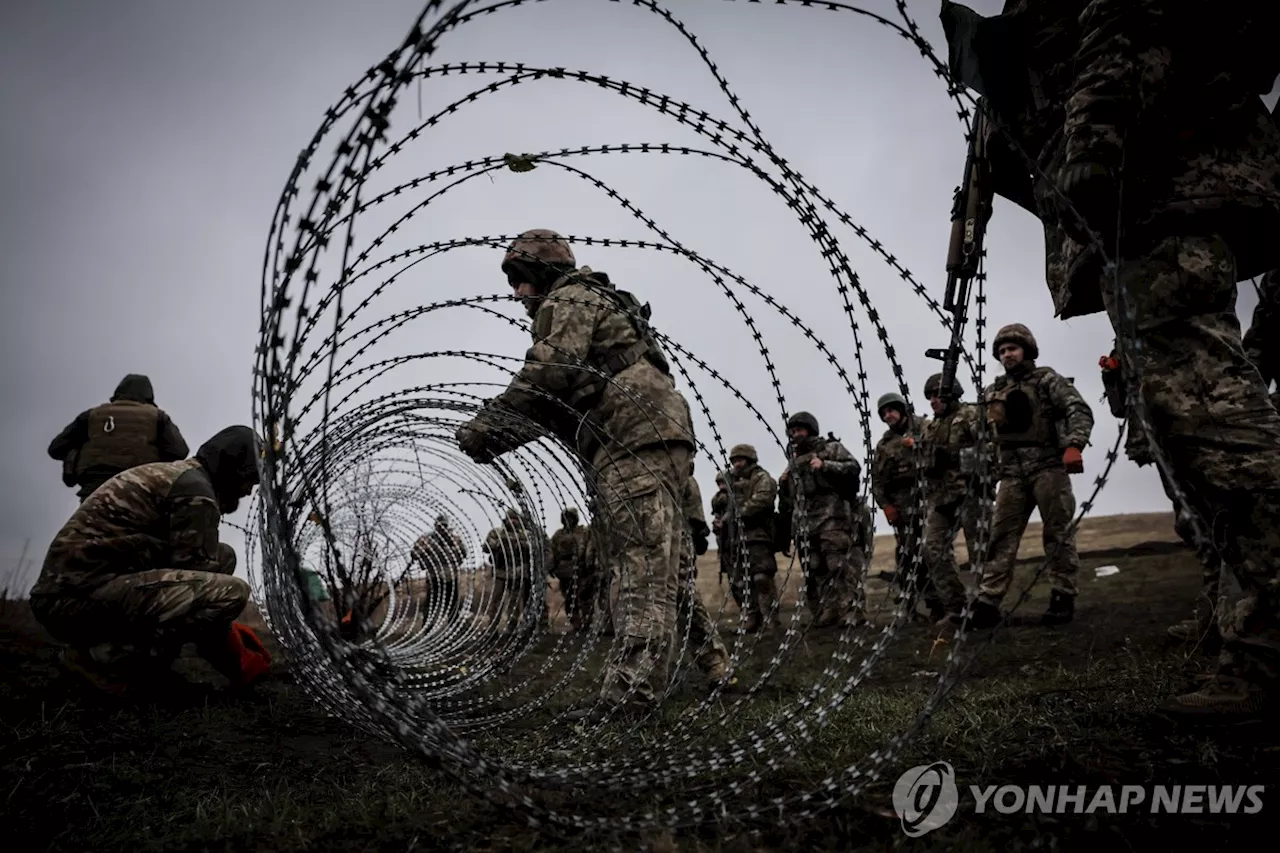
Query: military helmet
x,y
538,244
745,451
720,477
934,383
893,398
1016,333
569,515
803,419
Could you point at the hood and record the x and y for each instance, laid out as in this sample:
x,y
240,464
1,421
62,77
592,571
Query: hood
x,y
231,458
135,387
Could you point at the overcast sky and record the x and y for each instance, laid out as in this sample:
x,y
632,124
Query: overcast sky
x,y
145,145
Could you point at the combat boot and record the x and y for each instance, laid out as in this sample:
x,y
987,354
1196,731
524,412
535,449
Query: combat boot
x,y
1223,700
719,677
753,620
1194,630
826,617
983,616
1062,609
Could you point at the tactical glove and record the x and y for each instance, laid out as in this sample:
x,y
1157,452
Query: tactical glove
x,y
1092,190
1072,459
890,513
474,442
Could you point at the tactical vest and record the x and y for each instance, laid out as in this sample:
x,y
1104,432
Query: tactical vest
x,y
122,435
1021,415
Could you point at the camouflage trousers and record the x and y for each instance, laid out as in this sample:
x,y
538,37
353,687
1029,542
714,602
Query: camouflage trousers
x,y
1211,415
709,650
149,615
908,559
752,573
582,592
512,596
640,506
1048,490
834,574
946,519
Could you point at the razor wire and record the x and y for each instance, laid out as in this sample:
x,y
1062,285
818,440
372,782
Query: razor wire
x,y
435,569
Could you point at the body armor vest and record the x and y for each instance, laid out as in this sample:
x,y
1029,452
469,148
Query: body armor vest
x,y
122,435
1020,416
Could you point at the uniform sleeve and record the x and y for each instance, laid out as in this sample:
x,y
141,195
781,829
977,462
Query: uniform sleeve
x,y
879,480
763,494
839,462
787,495
693,503
169,441
1121,71
72,437
1073,409
193,533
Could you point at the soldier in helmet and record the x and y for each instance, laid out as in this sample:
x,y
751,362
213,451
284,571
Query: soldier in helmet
x,y
710,654
597,378
823,476
750,525
511,549
567,547
893,479
440,554
105,440
1040,425
724,545
950,453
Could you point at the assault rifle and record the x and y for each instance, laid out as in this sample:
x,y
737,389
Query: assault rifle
x,y
970,210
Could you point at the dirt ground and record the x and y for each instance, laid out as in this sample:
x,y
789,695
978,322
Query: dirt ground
x,y
274,771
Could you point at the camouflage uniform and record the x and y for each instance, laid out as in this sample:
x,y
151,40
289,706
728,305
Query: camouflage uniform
x,y
751,528
950,447
511,547
1171,95
597,379
724,545
441,553
709,651
834,580
105,440
597,591
137,571
568,544
1036,416
893,482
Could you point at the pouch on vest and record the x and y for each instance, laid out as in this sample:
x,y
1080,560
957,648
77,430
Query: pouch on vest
x,y
970,461
69,468
1113,385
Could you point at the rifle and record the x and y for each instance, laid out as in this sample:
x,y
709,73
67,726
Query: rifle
x,y
970,210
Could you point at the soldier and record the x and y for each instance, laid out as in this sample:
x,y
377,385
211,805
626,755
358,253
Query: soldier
x,y
137,571
597,591
724,543
1040,424
1166,102
710,655
105,440
950,447
440,554
510,547
751,526
824,474
893,477
568,544
597,378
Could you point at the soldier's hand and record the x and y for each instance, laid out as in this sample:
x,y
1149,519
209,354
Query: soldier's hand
x,y
815,463
1091,189
1073,460
473,442
908,442
890,513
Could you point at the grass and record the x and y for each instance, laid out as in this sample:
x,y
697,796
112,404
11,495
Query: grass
x,y
1072,705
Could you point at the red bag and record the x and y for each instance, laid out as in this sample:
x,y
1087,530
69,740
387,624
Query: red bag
x,y
255,660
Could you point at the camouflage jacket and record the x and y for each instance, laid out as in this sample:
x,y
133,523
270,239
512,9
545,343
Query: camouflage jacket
x,y
511,547
442,549
163,515
1035,414
1127,80
577,331
826,491
567,546
893,471
944,439
719,506
752,509
1264,330
691,506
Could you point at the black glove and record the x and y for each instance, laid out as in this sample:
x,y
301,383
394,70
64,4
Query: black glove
x,y
699,542
475,443
1092,189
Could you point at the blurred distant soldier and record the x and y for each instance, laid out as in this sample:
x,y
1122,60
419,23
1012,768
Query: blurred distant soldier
x,y
597,588
510,547
750,523
568,545
137,572
724,543
818,500
950,448
893,479
709,651
440,555
597,378
1040,426
105,440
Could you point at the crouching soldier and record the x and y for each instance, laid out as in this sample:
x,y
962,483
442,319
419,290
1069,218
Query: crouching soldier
x,y
751,518
823,478
138,571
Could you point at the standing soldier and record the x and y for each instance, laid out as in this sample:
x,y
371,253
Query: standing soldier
x,y
710,655
597,590
951,464
893,481
441,554
823,476
511,550
750,525
568,544
1040,424
105,440
597,378
724,542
